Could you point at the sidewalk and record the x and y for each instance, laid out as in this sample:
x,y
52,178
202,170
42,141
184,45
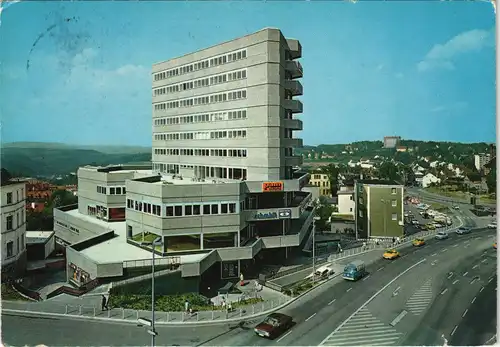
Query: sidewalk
x,y
94,312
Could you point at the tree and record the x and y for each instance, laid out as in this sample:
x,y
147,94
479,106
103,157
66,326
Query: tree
x,y
491,181
332,171
388,171
62,197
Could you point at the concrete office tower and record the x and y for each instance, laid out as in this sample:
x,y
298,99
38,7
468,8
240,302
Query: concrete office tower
x,y
228,111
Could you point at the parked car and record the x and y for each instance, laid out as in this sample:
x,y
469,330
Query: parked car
x,y
492,225
442,235
274,325
463,230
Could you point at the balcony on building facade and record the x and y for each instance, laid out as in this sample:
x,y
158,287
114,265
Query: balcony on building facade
x,y
294,86
294,124
294,143
294,68
294,160
295,48
295,106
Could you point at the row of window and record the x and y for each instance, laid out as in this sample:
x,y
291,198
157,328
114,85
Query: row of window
x,y
199,118
202,100
241,153
202,135
9,220
9,246
19,196
205,172
200,65
70,227
202,82
196,209
112,190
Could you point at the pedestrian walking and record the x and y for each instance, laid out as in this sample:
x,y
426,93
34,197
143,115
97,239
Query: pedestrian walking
x,y
393,240
186,306
104,303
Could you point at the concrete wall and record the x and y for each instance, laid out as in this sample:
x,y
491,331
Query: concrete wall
x,y
346,204
50,245
81,261
381,213
86,229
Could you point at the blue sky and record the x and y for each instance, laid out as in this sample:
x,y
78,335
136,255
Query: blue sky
x,y
420,70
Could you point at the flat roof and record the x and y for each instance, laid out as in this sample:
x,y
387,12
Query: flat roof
x,y
117,249
38,236
380,182
188,181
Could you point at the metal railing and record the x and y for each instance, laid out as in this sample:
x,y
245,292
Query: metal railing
x,y
161,317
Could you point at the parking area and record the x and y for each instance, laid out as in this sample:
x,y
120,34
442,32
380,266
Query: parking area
x,y
412,213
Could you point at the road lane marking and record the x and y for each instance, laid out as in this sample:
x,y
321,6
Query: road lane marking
x,y
450,275
380,269
473,300
348,290
480,290
282,337
455,245
484,260
399,317
311,317
371,299
364,279
475,266
455,281
444,250
454,329
444,291
465,273
473,280
434,255
491,279
331,302
466,310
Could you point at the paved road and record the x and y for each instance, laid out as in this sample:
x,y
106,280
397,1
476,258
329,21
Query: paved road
x,y
464,306
25,331
317,319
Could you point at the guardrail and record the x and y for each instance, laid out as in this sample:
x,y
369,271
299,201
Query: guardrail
x,y
240,311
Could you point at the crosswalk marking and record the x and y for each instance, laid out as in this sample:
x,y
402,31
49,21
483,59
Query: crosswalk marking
x,y
419,301
363,329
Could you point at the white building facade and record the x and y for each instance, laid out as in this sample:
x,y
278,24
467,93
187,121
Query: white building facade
x,y
13,217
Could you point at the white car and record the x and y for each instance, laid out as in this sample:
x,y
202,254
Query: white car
x,y
492,225
441,235
461,231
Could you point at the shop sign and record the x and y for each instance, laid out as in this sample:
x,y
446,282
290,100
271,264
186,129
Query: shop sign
x,y
230,269
266,215
284,214
272,186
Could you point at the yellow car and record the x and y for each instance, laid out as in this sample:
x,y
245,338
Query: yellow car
x,y
430,227
391,254
418,242
495,245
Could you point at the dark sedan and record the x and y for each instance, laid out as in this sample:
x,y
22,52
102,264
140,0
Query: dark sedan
x,y
274,325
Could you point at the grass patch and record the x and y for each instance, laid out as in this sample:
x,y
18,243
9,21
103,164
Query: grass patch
x,y
170,303
8,293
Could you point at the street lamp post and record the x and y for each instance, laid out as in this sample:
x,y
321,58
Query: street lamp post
x,y
157,242
315,218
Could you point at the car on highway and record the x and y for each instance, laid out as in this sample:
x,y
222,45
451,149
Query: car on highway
x,y
391,254
274,325
418,242
456,207
463,230
495,245
492,225
430,226
354,270
441,235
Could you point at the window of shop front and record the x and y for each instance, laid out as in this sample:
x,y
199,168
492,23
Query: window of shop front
x,y
182,243
219,240
117,214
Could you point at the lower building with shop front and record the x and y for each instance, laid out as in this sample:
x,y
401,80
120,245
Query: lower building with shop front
x,y
209,230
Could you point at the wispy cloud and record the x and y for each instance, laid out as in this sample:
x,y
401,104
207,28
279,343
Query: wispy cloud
x,y
399,75
456,106
442,55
